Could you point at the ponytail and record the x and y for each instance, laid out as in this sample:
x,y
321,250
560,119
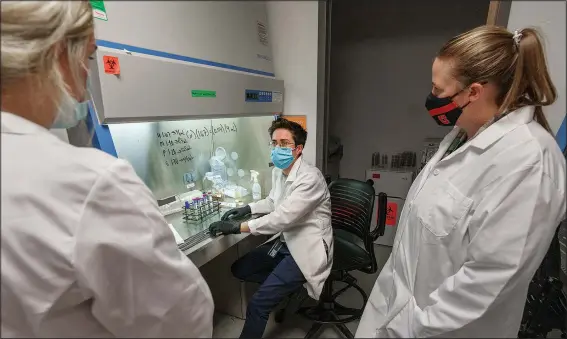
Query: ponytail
x,y
515,63
531,84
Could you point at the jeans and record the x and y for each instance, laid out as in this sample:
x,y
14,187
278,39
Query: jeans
x,y
279,277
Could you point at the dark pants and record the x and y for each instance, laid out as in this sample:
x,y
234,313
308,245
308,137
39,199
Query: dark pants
x,y
280,276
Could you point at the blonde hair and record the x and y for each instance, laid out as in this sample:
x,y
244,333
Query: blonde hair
x,y
515,63
33,35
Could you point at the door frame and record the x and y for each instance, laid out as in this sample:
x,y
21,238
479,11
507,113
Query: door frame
x,y
499,13
323,81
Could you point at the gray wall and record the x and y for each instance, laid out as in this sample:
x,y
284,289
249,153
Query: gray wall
x,y
549,17
381,57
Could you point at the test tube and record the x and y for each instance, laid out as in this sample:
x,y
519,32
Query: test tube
x,y
195,206
211,200
205,203
202,208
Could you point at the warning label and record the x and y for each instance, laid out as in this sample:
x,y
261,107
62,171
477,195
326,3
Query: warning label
x,y
111,64
391,214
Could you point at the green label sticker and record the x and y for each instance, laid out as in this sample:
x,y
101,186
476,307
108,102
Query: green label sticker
x,y
199,93
99,11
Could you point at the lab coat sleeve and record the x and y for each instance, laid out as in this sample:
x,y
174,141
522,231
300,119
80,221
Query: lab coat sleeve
x,y
516,223
265,205
308,191
128,263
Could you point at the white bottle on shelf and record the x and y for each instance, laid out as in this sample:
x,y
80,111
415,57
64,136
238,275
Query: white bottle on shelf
x,y
256,188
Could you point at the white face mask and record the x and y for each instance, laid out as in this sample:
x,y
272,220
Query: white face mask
x,y
70,111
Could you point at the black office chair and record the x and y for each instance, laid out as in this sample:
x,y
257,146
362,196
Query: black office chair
x,y
546,304
351,205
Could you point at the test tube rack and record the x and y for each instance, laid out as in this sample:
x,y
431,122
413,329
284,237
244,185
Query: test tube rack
x,y
201,211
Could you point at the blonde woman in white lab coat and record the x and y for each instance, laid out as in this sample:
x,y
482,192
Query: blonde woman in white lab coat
x,y
480,216
85,251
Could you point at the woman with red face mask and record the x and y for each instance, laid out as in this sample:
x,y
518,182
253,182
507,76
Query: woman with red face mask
x,y
480,216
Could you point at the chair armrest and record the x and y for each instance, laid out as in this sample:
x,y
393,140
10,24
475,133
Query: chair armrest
x,y
382,211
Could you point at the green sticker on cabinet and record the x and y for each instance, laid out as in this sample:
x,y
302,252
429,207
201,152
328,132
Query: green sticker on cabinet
x,y
199,93
99,11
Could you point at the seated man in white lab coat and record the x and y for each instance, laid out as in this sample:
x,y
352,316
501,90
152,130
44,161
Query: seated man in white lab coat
x,y
301,250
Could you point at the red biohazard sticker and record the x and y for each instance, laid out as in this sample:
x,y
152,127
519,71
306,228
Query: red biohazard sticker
x,y
111,64
391,214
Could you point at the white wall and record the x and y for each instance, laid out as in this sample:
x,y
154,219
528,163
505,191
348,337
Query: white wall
x,y
293,34
549,17
381,58
377,99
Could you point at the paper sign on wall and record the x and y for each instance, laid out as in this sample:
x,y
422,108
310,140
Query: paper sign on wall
x,y
300,119
99,11
111,64
391,214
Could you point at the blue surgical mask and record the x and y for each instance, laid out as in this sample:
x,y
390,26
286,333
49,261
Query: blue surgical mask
x,y
282,157
71,113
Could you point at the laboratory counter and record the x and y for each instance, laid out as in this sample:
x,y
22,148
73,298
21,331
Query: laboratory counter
x,y
198,244
214,256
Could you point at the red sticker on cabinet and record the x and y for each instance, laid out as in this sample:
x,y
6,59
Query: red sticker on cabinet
x,y
391,214
111,64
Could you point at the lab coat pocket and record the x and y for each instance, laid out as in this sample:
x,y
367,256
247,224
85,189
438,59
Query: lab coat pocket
x,y
444,210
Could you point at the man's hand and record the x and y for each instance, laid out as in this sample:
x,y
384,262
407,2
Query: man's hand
x,y
224,227
237,213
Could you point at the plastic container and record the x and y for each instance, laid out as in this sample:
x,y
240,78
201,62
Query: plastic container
x,y
217,163
235,191
207,182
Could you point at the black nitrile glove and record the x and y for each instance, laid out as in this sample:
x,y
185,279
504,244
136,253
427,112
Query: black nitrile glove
x,y
224,227
237,213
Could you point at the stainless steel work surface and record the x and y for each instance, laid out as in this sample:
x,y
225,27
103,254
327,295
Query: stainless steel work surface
x,y
199,245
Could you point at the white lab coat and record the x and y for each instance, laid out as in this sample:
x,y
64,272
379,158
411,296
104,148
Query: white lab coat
x,y
299,207
85,250
474,229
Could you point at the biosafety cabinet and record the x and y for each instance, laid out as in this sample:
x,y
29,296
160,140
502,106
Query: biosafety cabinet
x,y
176,82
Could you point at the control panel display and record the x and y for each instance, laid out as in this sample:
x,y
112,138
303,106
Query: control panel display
x,y
252,95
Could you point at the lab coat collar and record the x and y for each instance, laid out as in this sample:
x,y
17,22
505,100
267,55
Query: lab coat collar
x,y
14,124
500,128
446,142
293,173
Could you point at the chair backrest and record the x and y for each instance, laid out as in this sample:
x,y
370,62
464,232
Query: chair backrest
x,y
352,202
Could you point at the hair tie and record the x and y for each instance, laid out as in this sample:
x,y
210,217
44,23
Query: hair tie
x,y
517,37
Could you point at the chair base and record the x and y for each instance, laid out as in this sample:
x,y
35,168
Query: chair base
x,y
316,328
329,312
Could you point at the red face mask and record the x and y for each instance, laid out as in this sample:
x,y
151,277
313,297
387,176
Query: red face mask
x,y
444,110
